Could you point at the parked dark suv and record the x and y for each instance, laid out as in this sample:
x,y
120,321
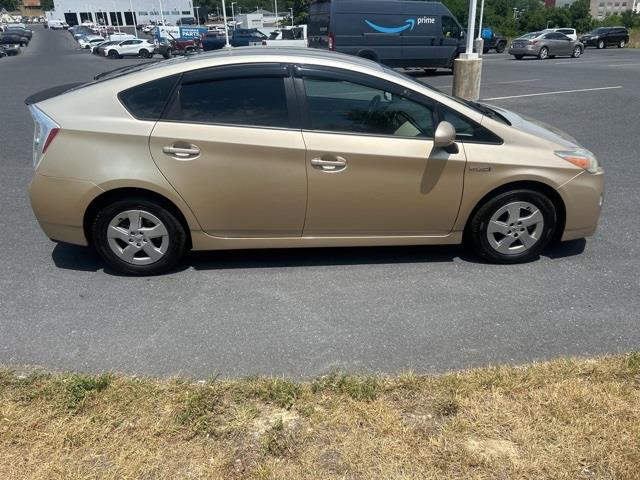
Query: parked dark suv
x,y
605,36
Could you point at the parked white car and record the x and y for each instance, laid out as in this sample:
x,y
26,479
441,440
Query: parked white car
x,y
569,32
120,36
288,37
89,41
136,47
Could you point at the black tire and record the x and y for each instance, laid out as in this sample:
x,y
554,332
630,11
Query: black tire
x,y
519,57
176,235
501,47
113,54
622,43
478,238
143,53
485,50
577,51
543,53
430,71
601,44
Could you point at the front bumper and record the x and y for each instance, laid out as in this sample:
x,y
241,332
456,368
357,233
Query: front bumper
x,y
583,196
59,205
591,42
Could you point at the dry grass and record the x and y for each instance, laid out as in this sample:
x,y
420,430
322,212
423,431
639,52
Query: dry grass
x,y
568,419
634,38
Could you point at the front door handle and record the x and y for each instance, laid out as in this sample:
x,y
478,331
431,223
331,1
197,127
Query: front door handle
x,y
335,165
182,152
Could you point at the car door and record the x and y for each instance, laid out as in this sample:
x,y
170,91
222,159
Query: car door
x,y
450,39
230,145
372,166
564,44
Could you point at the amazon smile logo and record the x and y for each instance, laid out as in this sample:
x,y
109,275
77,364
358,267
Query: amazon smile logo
x,y
409,24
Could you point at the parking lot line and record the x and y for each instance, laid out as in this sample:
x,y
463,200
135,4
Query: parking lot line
x,y
624,65
554,93
517,81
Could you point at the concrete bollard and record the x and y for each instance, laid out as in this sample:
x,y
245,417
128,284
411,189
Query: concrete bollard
x,y
478,46
467,71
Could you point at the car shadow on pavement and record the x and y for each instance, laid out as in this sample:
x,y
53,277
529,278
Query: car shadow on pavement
x,y
84,259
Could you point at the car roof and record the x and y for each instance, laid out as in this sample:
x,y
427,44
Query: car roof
x,y
269,51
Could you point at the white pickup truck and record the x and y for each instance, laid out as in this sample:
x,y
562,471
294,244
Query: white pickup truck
x,y
288,37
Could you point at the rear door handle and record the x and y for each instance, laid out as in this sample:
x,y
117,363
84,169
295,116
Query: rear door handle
x,y
330,165
182,152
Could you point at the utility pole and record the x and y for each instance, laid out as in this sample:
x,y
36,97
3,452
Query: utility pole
x,y
291,9
276,5
197,15
467,69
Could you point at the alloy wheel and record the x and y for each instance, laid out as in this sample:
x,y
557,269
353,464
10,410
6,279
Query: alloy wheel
x,y
515,228
137,237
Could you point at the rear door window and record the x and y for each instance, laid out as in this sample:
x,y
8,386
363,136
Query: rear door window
x,y
251,100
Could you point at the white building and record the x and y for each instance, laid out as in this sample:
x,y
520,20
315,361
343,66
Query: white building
x,y
120,12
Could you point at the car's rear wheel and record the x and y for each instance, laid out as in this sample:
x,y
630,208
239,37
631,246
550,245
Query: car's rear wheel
x,y
577,51
519,57
513,227
543,54
622,44
601,44
139,237
113,54
143,53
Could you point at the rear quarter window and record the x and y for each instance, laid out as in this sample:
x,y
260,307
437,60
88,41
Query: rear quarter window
x,y
147,101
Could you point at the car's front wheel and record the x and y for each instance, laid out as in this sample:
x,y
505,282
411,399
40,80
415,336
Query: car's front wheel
x,y
500,47
519,57
601,44
139,237
113,54
577,51
543,54
513,227
143,53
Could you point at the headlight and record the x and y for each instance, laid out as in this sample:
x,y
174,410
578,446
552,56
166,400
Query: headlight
x,y
580,158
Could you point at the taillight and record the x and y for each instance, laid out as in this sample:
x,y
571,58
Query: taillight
x,y
45,131
533,42
52,134
332,41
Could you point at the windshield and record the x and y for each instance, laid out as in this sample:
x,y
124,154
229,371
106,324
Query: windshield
x,y
478,107
598,31
531,35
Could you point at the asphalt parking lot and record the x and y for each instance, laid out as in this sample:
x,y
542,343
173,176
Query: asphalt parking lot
x,y
306,312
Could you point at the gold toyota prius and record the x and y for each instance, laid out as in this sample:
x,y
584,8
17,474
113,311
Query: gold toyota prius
x,y
281,148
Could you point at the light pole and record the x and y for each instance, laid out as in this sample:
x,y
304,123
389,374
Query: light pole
x,y
133,18
480,23
226,30
276,5
291,9
197,15
233,14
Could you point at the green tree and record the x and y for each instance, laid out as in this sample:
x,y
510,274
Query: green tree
x,y
9,5
46,5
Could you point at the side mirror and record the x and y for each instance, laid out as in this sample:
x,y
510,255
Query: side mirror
x,y
445,137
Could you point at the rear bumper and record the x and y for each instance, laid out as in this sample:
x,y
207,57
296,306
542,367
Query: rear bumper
x,y
59,205
583,197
